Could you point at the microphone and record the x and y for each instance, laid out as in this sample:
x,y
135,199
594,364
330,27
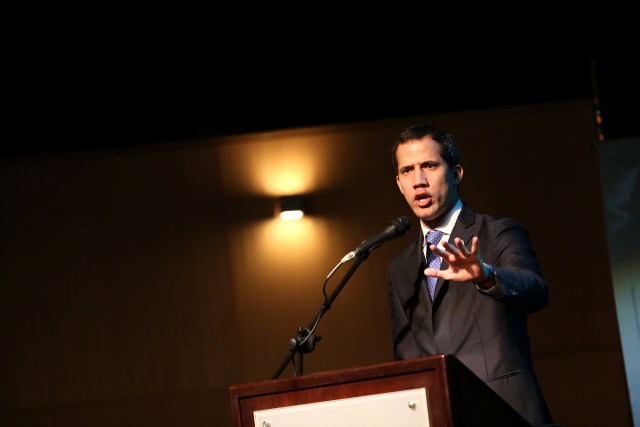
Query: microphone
x,y
397,227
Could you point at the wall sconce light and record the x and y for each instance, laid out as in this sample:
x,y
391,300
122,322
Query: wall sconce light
x,y
291,207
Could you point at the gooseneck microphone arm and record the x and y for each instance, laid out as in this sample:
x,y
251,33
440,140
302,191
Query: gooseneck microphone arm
x,y
305,341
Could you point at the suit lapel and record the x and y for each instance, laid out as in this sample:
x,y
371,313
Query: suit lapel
x,y
412,289
462,229
412,266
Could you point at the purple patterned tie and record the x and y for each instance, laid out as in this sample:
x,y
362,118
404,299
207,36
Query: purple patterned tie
x,y
433,259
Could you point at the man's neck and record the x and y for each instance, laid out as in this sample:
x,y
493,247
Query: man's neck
x,y
444,222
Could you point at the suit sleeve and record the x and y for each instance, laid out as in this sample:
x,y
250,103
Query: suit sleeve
x,y
507,246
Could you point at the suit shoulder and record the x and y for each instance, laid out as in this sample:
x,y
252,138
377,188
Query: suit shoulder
x,y
497,223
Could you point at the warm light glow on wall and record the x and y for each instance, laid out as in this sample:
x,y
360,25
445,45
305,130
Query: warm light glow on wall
x,y
277,167
285,253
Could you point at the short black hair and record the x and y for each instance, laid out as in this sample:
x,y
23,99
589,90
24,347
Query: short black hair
x,y
448,147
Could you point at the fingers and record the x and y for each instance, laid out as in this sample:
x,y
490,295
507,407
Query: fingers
x,y
458,246
463,248
457,251
441,250
431,272
474,245
447,248
463,261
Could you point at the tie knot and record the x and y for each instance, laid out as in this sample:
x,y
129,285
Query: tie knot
x,y
434,237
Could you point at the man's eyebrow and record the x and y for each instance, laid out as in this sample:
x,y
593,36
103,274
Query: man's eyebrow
x,y
424,163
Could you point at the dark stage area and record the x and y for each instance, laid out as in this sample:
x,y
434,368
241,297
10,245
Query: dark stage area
x,y
61,109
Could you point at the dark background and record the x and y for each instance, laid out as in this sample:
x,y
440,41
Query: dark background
x,y
114,263
54,107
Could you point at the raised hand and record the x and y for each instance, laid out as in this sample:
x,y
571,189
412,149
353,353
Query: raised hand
x,y
464,264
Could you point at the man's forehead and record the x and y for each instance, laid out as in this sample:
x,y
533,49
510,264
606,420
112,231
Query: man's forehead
x,y
420,150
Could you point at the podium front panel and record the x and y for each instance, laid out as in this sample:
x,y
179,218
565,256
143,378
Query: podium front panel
x,y
407,408
455,396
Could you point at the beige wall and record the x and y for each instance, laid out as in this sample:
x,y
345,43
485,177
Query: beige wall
x,y
137,284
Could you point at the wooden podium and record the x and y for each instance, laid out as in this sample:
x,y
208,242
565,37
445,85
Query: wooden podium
x,y
431,391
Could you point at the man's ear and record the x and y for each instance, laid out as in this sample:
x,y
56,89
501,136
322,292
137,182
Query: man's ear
x,y
457,173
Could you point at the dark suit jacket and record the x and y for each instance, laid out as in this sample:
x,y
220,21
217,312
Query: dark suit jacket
x,y
486,332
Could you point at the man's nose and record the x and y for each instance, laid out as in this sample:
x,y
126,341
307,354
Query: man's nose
x,y
419,179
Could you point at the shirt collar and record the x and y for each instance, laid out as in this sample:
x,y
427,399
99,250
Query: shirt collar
x,y
447,223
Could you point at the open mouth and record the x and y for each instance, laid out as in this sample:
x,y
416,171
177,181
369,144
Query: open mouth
x,y
423,200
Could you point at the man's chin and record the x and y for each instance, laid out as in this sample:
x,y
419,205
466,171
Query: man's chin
x,y
425,214
428,217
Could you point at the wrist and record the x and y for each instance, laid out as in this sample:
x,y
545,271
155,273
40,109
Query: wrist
x,y
490,277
